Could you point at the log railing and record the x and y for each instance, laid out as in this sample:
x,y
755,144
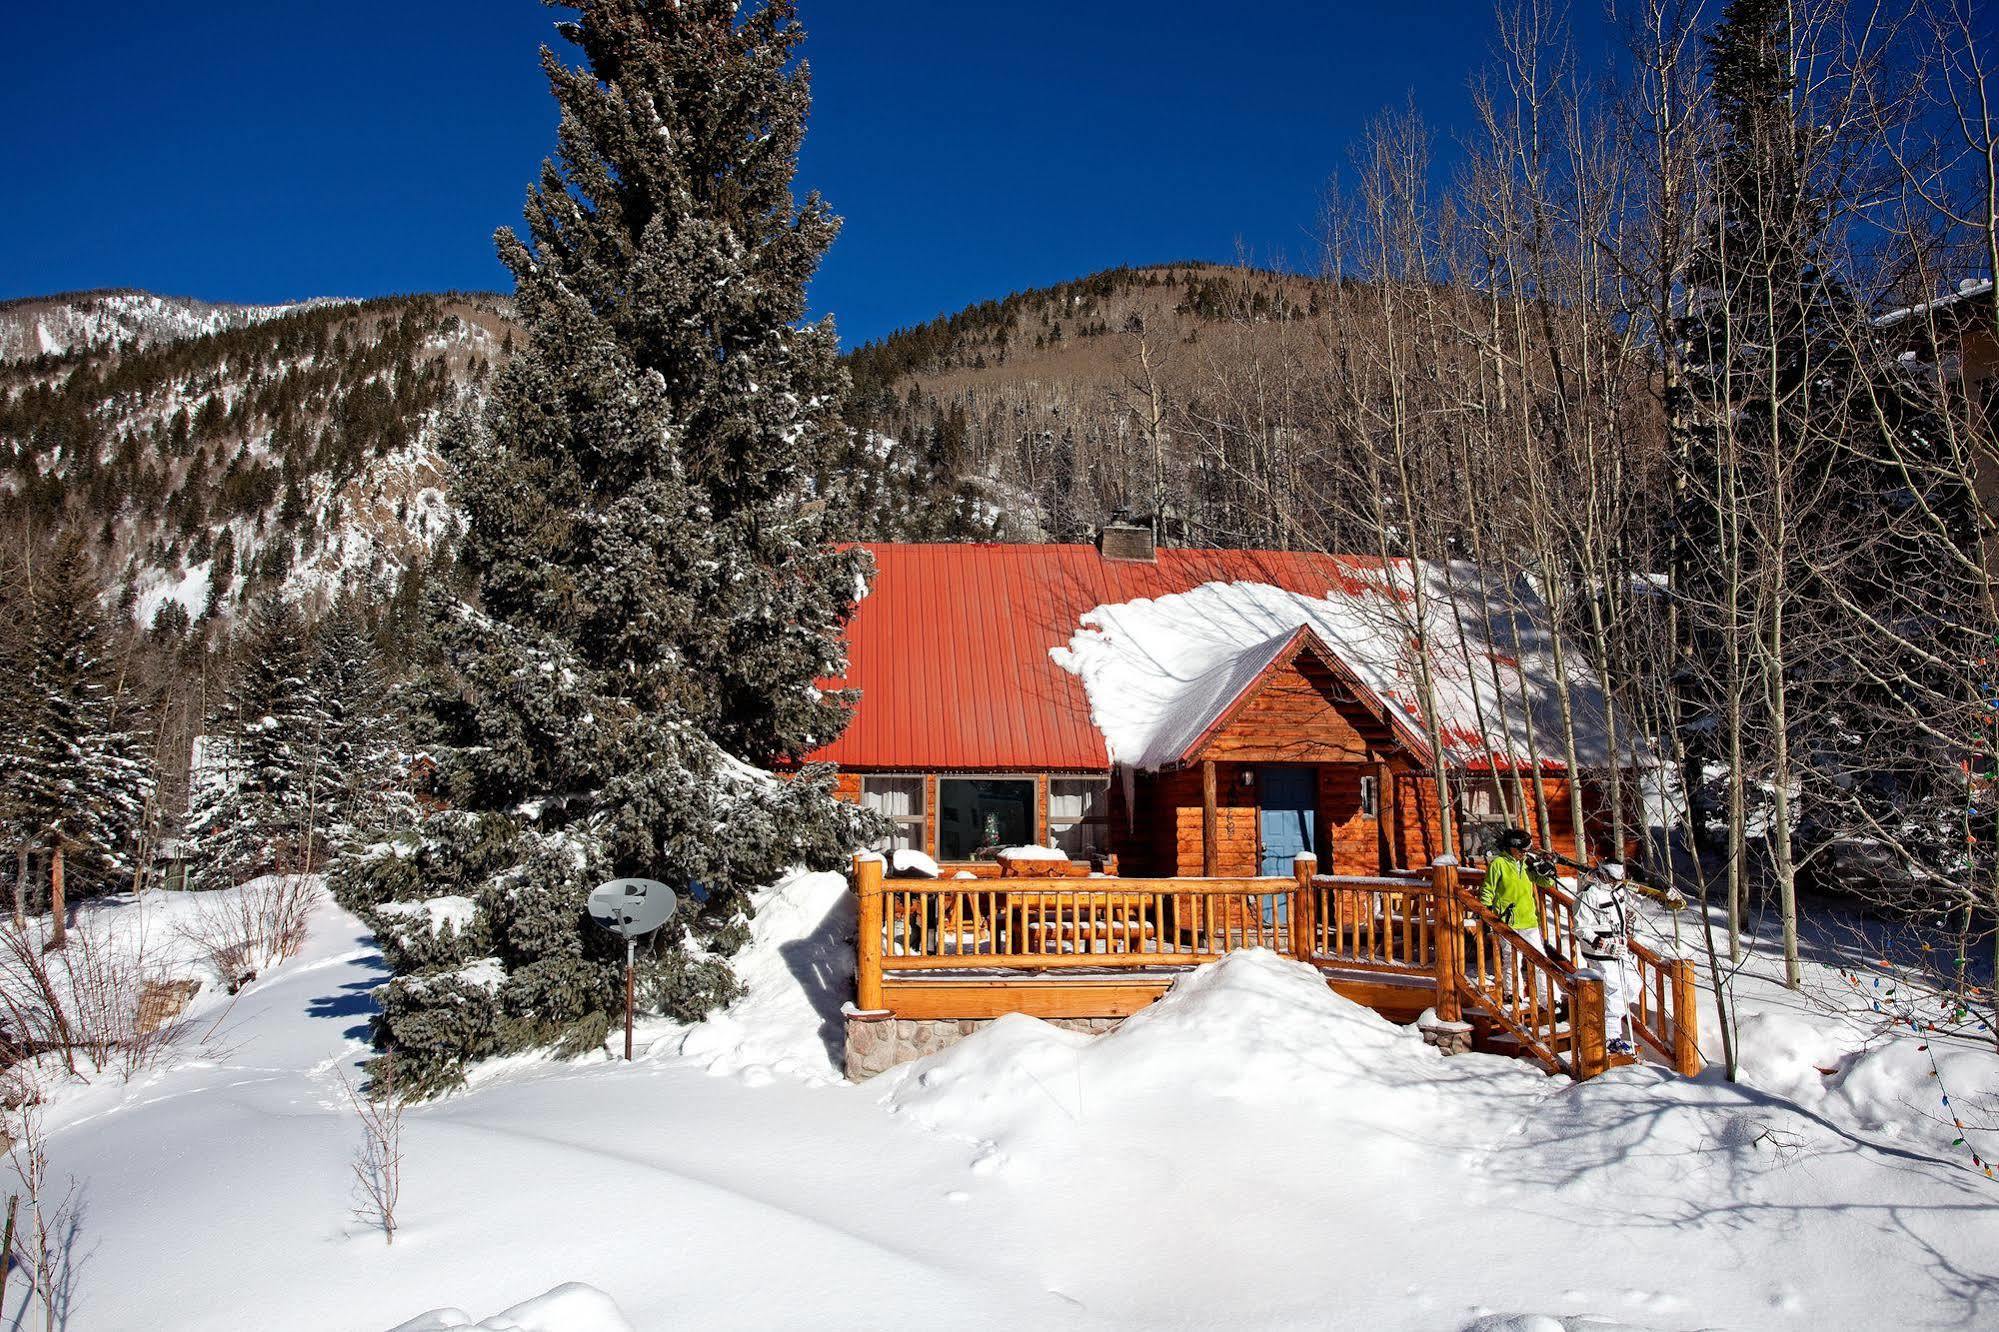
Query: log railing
x,y
1553,1011
1039,924
1665,1013
1552,1008
1373,924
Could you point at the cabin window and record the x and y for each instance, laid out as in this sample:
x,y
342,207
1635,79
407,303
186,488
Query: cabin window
x,y
1077,823
900,801
1370,797
983,815
1481,818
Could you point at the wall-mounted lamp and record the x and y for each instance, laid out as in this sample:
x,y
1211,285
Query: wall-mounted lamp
x,y
1249,776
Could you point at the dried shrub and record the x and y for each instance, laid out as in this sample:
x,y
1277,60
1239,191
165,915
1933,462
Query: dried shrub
x,y
244,931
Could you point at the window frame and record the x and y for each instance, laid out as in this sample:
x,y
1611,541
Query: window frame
x,y
1480,816
1101,820
1035,794
916,826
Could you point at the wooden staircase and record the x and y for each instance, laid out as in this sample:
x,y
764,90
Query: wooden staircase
x,y
1544,1004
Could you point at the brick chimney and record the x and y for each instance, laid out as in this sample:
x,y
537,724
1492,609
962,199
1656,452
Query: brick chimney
x,y
1120,539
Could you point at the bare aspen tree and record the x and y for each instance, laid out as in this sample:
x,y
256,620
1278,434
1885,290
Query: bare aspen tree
x,y
377,1165
1381,362
1146,401
46,1241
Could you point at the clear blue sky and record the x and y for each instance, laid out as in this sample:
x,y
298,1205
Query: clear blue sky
x,y
266,150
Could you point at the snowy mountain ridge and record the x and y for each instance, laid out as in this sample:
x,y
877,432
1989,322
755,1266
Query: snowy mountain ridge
x,y
116,320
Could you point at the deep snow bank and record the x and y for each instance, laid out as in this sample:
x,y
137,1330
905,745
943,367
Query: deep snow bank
x,y
1251,1152
1254,1029
797,970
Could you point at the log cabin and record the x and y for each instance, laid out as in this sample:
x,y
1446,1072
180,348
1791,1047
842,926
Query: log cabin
x,y
1197,712
1126,762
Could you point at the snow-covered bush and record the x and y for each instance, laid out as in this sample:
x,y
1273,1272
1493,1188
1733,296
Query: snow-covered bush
x,y
431,933
440,1021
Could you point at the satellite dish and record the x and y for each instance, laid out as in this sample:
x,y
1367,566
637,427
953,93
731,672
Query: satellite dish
x,y
633,907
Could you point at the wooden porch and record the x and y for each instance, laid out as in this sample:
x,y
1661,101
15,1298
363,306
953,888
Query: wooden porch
x,y
938,949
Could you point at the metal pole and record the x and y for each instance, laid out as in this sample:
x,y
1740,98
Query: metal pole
x,y
630,997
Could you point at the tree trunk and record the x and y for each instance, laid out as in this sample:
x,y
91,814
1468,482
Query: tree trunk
x,y
58,907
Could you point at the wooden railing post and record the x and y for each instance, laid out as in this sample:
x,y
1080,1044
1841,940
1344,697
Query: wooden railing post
x,y
1450,937
1586,1021
1210,824
1687,1059
868,945
1303,867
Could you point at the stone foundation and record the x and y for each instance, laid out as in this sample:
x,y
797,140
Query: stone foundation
x,y
160,1002
877,1042
1453,1038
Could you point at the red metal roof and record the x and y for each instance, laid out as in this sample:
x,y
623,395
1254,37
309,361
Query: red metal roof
x,y
950,647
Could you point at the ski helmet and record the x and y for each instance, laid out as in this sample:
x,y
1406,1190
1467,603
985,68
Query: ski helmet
x,y
1514,839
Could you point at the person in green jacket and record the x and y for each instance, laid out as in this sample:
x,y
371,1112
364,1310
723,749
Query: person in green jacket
x,y
1510,888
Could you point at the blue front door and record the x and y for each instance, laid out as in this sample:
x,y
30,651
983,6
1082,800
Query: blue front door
x,y
1289,803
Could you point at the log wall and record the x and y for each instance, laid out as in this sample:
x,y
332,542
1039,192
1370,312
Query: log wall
x,y
1296,716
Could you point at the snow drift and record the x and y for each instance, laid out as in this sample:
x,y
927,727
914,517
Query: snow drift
x,y
1255,1029
574,1307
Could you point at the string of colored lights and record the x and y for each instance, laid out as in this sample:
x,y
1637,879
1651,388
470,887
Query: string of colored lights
x,y
1905,1014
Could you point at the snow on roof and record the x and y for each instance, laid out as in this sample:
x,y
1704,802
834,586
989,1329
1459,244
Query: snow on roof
x,y
1160,671
1966,290
1156,688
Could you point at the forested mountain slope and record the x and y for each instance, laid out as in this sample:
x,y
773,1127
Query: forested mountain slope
x,y
213,452
1057,406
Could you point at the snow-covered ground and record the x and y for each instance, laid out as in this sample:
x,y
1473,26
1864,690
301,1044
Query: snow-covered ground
x,y
1252,1151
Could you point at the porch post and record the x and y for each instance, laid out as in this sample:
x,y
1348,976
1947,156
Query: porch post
x,y
868,943
1450,937
1304,904
1391,817
1586,1024
1208,818
1686,1021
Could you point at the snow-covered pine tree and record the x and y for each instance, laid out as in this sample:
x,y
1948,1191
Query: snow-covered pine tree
x,y
651,584
366,790
77,777
258,790
16,624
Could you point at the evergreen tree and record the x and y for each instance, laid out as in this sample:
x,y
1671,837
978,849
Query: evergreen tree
x,y
366,789
649,589
16,664
75,772
261,776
